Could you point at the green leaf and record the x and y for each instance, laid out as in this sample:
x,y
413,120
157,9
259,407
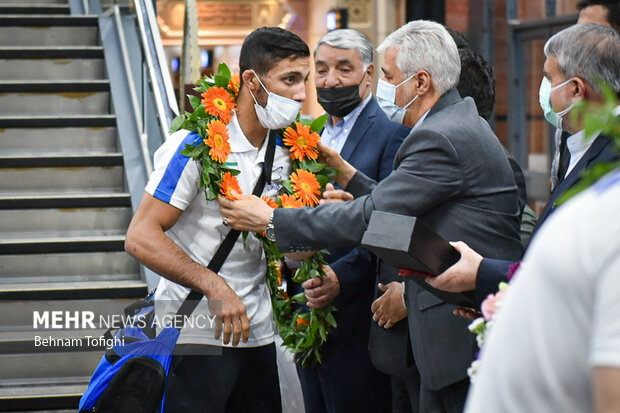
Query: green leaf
x,y
331,320
323,180
194,101
287,185
198,113
177,123
300,298
319,123
224,71
221,81
312,166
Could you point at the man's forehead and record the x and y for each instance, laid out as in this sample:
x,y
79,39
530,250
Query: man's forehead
x,y
325,52
300,64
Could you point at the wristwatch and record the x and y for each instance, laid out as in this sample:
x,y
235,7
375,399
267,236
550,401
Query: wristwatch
x,y
270,233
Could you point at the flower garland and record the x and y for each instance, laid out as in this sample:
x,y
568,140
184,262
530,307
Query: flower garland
x,y
303,332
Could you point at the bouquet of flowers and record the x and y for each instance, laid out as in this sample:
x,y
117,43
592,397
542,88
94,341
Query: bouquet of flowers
x,y
303,332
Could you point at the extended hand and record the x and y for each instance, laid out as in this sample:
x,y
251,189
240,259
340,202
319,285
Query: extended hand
x,y
320,292
462,275
332,158
249,213
389,308
332,195
232,317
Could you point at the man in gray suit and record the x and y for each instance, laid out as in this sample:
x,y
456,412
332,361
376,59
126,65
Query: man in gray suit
x,y
450,172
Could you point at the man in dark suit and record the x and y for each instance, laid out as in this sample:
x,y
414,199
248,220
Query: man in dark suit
x,y
441,176
577,58
346,380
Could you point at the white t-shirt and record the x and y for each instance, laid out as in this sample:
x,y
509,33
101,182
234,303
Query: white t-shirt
x,y
561,316
199,230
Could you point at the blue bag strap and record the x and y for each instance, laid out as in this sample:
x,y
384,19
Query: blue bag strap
x,y
193,298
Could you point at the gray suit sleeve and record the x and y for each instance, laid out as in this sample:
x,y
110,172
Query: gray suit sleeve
x,y
428,173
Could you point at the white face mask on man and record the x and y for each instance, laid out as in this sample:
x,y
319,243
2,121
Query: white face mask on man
x,y
386,95
279,112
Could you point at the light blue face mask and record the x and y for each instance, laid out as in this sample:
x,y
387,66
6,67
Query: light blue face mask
x,y
544,97
386,95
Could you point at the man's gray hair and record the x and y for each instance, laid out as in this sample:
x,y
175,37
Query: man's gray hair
x,y
349,39
588,51
426,45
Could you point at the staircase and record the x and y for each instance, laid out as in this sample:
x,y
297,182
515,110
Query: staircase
x,y
64,204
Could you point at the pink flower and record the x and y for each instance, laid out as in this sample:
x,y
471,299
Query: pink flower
x,y
491,304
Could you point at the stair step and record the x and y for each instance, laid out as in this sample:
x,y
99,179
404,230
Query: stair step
x,y
35,141
45,35
36,397
62,244
62,179
73,290
67,160
55,103
55,69
37,200
45,20
17,8
53,121
19,223
51,52
18,315
47,86
47,365
65,267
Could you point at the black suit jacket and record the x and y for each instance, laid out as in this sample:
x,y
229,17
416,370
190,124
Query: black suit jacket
x,y
452,173
494,271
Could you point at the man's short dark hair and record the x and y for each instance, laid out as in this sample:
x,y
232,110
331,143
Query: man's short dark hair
x,y
613,10
478,81
459,38
264,48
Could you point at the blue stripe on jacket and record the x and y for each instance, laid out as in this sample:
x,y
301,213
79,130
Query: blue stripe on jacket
x,y
169,181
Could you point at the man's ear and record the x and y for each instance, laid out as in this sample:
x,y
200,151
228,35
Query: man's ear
x,y
581,89
425,82
370,71
249,79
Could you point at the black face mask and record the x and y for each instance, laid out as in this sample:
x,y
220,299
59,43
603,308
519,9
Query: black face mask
x,y
339,101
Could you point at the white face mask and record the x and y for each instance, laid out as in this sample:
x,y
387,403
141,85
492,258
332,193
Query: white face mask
x,y
386,95
279,111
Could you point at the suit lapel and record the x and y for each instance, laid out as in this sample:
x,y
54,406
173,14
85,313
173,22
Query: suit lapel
x,y
595,149
360,129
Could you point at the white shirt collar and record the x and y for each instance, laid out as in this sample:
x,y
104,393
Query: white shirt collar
x,y
238,141
578,145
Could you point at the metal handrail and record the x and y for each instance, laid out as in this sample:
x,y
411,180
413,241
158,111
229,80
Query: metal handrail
x,y
163,92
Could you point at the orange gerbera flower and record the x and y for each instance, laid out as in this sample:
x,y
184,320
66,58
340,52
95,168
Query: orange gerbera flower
x,y
306,187
302,321
218,141
302,142
269,201
218,103
289,201
235,84
228,184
